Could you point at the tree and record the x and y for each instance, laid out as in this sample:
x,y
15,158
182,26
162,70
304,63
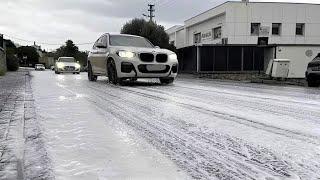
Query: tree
x,y
68,50
71,50
148,29
82,58
29,52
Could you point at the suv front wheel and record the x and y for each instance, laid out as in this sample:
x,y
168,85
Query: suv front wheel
x,y
312,83
91,77
112,73
166,80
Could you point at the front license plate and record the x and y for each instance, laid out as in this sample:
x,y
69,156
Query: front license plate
x,y
156,67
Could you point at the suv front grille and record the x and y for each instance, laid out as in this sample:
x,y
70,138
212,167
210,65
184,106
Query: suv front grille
x,y
69,68
143,69
146,57
162,58
316,68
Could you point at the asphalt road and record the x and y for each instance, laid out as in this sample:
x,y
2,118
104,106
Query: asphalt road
x,y
193,129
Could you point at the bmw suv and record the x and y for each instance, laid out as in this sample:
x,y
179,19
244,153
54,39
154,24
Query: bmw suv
x,y
127,57
313,72
67,65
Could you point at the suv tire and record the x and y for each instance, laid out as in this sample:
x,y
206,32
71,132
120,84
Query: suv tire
x,y
112,73
166,80
312,83
91,77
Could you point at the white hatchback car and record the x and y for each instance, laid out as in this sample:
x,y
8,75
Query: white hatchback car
x,y
127,57
67,65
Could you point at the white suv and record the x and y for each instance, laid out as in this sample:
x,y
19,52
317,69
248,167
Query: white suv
x,y
128,57
67,65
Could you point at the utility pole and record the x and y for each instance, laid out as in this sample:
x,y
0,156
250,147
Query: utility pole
x,y
151,12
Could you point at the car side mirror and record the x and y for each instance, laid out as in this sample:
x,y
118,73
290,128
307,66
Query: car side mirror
x,y
157,47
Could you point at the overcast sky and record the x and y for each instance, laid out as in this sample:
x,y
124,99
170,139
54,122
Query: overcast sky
x,y
83,21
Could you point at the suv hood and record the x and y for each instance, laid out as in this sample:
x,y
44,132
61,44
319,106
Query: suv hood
x,y
142,50
68,63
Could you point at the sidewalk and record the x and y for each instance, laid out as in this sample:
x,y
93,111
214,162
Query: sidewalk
x,y
22,153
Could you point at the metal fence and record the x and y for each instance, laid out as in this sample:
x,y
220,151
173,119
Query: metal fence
x,y
221,58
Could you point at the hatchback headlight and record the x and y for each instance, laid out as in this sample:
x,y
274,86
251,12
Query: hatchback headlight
x,y
126,54
77,66
173,57
60,65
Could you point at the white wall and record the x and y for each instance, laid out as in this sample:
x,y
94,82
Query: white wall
x,y
239,17
206,26
298,57
180,38
236,19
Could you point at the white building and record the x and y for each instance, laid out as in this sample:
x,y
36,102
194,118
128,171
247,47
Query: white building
x,y
288,30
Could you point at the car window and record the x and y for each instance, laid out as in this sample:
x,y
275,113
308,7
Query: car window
x,y
104,40
119,40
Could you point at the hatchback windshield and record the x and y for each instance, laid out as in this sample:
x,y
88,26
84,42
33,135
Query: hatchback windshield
x,y
66,60
118,40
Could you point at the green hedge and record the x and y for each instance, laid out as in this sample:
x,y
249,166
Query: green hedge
x,y
12,63
2,73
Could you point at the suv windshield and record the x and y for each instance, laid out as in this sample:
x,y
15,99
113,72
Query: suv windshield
x,y
66,60
118,40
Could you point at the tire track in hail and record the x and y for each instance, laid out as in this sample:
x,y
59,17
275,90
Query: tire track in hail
x,y
210,148
262,106
233,118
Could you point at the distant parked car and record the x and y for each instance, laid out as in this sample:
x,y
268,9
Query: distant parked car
x,y
313,72
39,67
123,57
67,65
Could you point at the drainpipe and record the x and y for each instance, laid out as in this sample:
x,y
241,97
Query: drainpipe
x,y
198,59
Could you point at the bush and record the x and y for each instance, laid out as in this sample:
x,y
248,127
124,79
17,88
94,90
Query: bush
x,y
2,73
12,63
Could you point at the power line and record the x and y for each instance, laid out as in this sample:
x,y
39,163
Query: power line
x,y
151,12
43,43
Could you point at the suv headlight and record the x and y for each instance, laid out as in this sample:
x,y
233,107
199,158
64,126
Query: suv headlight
x,y
60,65
77,66
173,57
126,54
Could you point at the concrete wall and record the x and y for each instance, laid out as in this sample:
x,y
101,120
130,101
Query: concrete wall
x,y
205,27
180,38
236,19
239,17
3,65
298,57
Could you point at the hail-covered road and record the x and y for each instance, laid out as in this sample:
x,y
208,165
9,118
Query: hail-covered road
x,y
193,129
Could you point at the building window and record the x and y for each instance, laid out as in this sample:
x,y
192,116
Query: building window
x,y
300,29
197,38
217,33
255,27
276,29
